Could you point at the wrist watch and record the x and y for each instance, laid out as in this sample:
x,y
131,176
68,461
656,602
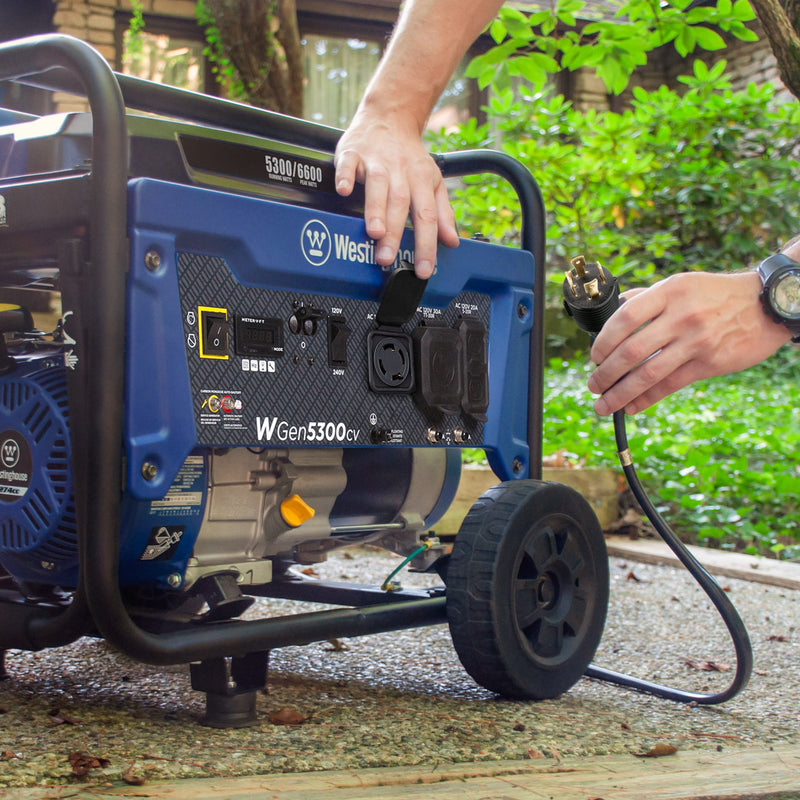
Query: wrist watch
x,y
780,295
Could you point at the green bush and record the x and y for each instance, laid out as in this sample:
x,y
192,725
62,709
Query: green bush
x,y
720,459
706,179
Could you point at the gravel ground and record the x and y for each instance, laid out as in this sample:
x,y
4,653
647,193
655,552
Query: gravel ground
x,y
403,698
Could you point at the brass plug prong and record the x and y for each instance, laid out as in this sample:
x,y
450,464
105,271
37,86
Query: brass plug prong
x,y
579,262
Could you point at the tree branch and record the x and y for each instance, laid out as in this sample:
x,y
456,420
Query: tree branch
x,y
783,38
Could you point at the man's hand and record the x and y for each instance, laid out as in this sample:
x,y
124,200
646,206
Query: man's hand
x,y
684,328
388,157
382,147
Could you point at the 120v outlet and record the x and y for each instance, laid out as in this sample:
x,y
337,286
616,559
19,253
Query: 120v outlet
x,y
390,363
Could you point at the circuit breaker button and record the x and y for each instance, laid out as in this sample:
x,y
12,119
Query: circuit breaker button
x,y
295,511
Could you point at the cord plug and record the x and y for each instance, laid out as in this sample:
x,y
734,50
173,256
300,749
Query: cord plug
x,y
591,295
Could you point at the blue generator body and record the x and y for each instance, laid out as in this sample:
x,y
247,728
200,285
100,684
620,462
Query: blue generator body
x,y
206,380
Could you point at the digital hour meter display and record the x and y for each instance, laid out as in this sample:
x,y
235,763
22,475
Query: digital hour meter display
x,y
259,336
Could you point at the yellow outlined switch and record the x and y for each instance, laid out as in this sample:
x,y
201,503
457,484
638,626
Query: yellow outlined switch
x,y
295,511
213,332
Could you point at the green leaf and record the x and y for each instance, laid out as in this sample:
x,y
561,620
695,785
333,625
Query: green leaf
x,y
685,41
717,70
518,27
743,11
699,14
711,533
497,30
708,39
744,33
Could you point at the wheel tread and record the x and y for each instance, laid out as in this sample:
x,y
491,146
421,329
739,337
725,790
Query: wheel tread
x,y
476,622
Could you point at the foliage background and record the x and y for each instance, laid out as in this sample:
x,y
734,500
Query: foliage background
x,y
702,177
706,179
719,458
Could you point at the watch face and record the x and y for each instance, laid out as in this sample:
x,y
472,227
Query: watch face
x,y
786,295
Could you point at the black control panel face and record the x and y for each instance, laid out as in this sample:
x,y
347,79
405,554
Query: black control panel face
x,y
278,368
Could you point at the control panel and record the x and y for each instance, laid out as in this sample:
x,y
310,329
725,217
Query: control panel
x,y
269,367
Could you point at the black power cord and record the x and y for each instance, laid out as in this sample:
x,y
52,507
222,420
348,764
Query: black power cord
x,y
591,295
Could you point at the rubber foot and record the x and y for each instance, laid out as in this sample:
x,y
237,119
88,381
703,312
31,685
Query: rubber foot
x,y
230,711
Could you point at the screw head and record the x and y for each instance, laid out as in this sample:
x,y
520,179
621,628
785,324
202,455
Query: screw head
x,y
517,466
149,470
522,310
152,260
174,580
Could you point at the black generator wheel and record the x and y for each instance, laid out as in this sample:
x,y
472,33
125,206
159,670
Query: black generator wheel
x,y
527,589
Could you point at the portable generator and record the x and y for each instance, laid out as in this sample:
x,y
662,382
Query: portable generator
x,y
232,387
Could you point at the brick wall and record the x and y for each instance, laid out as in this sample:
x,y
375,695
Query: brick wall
x,y
93,21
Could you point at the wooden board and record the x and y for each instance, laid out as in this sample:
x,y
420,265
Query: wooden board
x,y
717,562
734,774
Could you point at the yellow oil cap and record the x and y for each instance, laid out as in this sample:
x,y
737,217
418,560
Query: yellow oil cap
x,y
295,511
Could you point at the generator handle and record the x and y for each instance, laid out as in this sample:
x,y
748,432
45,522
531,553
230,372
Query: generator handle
x,y
97,435
171,101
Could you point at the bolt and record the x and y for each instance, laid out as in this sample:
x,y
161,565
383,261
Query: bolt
x,y
522,310
149,470
174,580
517,466
152,260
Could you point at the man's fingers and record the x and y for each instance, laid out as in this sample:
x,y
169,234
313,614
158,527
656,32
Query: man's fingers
x,y
346,163
638,309
448,231
658,370
683,376
390,192
634,352
376,193
424,215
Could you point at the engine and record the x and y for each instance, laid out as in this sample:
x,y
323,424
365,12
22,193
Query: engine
x,y
235,511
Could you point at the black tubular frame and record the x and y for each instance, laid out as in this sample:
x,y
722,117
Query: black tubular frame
x,y
59,62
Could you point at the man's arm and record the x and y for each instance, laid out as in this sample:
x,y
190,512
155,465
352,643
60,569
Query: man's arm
x,y
687,327
382,147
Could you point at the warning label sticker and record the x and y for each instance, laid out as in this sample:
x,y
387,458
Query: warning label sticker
x,y
162,543
185,495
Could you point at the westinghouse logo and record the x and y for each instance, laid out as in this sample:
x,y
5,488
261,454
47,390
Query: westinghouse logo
x,y
9,453
315,241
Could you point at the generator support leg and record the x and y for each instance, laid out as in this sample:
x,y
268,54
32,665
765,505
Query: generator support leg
x,y
231,686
